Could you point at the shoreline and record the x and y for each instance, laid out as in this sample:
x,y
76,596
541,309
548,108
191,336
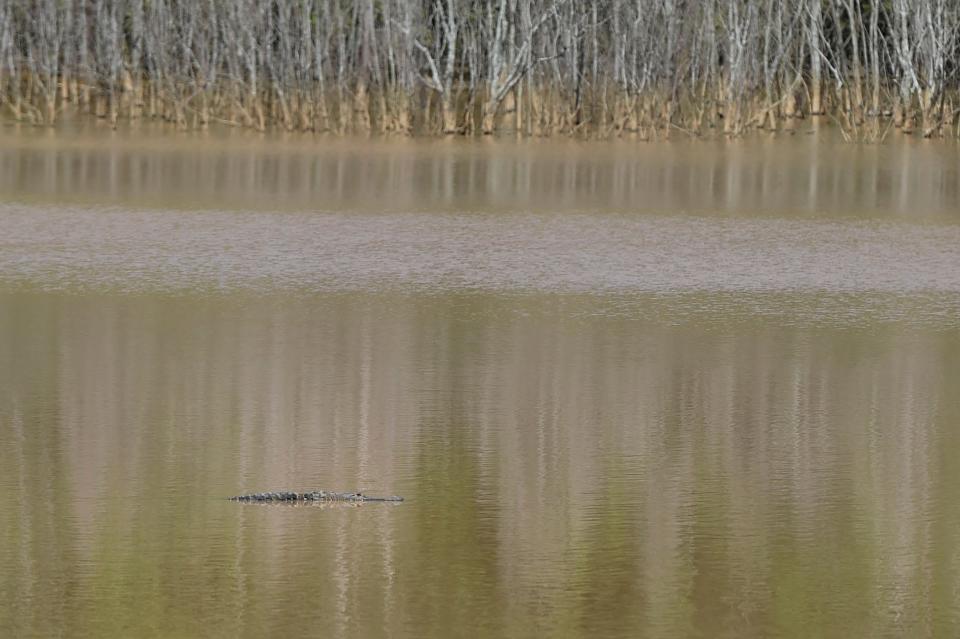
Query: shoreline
x,y
81,126
811,125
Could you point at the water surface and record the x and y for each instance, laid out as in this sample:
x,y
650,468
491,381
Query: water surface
x,y
801,175
636,419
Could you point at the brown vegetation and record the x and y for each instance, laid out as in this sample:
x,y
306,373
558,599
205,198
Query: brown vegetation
x,y
534,67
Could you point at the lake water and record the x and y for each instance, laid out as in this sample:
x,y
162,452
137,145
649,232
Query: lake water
x,y
680,390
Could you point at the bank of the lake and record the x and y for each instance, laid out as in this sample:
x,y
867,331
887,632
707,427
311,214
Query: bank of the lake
x,y
649,68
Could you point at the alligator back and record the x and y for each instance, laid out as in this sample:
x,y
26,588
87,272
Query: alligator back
x,y
312,496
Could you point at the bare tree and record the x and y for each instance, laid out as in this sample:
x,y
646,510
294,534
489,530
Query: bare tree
x,y
610,67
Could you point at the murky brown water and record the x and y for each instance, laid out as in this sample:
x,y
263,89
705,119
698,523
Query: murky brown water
x,y
634,418
801,176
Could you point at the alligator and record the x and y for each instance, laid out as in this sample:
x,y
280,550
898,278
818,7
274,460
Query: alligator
x,y
313,496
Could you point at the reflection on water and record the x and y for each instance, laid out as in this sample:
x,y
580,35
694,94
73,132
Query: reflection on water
x,y
565,473
809,175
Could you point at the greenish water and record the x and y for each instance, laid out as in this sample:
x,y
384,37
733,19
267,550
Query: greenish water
x,y
605,423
